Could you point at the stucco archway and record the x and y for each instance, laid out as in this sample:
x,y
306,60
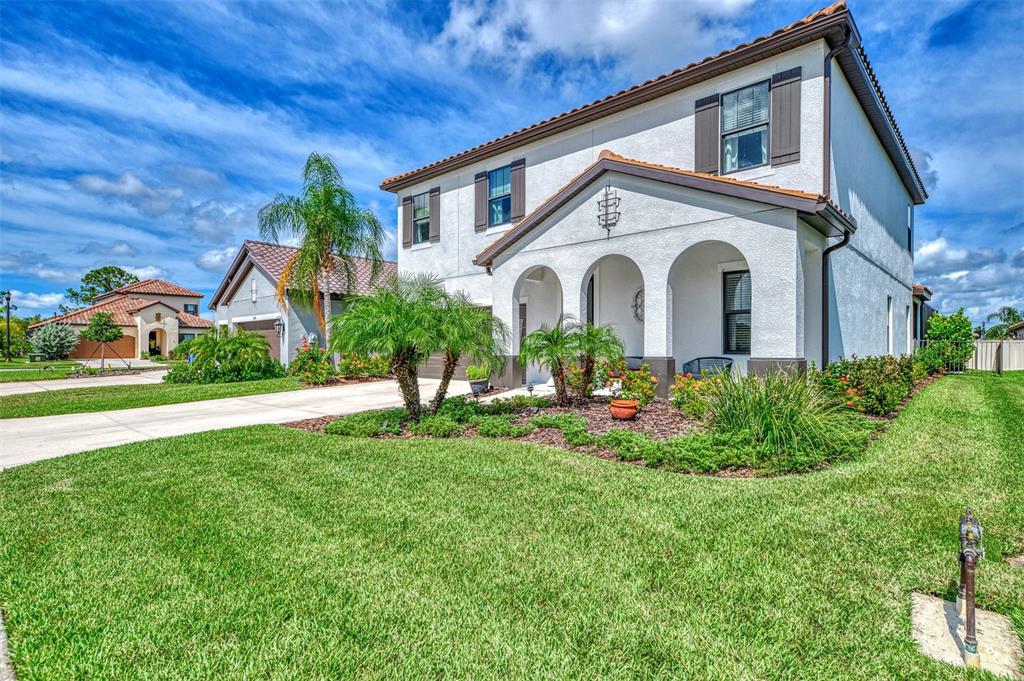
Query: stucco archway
x,y
536,302
612,293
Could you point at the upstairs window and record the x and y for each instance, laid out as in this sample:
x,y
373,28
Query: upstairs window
x,y
499,196
745,127
736,313
191,308
421,218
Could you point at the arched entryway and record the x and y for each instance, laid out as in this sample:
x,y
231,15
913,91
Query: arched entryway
x,y
536,302
157,342
710,289
612,293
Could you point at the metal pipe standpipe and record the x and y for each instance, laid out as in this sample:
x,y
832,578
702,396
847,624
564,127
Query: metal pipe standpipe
x,y
972,550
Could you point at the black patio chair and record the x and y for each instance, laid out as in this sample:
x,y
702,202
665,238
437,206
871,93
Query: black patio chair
x,y
705,366
634,363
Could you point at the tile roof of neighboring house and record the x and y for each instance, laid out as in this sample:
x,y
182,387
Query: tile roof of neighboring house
x,y
122,309
922,291
818,210
153,287
272,258
828,22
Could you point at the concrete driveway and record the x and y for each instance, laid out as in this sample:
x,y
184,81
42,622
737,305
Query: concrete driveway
x,y
22,387
45,437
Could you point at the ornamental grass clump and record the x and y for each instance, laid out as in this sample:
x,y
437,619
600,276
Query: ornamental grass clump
x,y
791,422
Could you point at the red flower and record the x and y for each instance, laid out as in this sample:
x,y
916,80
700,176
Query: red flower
x,y
844,379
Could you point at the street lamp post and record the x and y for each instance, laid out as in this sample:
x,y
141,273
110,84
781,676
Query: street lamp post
x,y
7,302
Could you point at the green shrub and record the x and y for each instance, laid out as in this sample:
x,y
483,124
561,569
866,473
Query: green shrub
x,y
788,416
874,385
573,427
477,373
517,404
437,426
223,356
312,364
689,395
501,426
351,365
181,350
460,409
54,341
631,445
369,423
710,452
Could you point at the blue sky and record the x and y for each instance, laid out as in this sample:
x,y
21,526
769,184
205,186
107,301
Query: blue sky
x,y
147,135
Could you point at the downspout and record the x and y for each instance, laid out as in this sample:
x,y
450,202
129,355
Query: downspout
x,y
826,175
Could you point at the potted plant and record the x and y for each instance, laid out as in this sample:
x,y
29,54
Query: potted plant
x,y
479,378
624,405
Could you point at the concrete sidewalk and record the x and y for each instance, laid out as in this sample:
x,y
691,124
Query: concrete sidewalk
x,y
43,437
22,387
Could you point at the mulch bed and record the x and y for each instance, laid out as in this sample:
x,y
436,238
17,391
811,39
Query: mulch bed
x,y
106,372
341,380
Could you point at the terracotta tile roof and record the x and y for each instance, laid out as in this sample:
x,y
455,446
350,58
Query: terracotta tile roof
x,y
153,287
123,309
923,291
272,258
819,24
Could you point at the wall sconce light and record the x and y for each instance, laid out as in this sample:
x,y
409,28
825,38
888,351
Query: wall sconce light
x,y
279,327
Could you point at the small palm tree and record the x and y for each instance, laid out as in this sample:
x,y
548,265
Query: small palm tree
x,y
331,229
595,343
551,348
467,330
1007,317
399,321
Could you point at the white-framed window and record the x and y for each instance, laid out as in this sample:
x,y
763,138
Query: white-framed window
x,y
252,290
421,218
888,324
499,196
744,127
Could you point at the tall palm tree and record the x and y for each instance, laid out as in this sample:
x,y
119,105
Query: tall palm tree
x,y
551,348
467,330
1007,317
593,344
331,229
397,320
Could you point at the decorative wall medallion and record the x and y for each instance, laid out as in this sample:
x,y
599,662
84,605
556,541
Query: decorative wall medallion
x,y
638,305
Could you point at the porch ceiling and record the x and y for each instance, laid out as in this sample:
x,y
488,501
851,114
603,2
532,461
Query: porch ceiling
x,y
815,210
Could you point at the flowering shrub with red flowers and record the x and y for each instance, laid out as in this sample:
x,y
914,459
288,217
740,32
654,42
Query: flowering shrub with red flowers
x,y
689,395
351,365
873,385
637,384
576,382
312,364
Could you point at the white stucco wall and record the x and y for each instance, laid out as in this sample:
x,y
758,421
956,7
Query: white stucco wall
x,y
661,131
239,307
617,280
659,223
878,262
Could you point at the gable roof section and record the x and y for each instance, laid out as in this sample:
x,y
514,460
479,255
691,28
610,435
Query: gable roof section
x,y
159,287
814,209
270,260
123,309
831,23
922,291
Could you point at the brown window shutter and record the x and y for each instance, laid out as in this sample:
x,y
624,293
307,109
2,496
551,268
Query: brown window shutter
x,y
785,126
435,214
706,140
518,190
480,201
407,222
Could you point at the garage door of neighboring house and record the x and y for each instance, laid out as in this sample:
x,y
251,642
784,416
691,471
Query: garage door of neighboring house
x,y
124,348
266,329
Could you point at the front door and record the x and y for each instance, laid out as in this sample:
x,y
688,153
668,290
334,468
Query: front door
x,y
154,344
522,335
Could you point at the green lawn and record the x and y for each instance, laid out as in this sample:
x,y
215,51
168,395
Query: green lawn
x,y
106,398
274,553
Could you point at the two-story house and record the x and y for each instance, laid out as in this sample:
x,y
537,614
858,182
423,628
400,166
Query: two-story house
x,y
757,204
154,315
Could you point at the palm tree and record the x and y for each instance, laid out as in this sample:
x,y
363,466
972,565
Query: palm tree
x,y
467,330
551,347
595,343
331,230
397,320
1007,317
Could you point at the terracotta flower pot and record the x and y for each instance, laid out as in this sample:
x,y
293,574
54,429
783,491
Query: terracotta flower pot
x,y
624,410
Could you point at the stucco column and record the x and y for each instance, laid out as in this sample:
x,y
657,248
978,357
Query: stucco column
x,y
506,309
658,327
777,322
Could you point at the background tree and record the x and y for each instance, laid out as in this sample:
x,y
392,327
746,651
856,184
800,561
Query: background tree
x,y
54,341
1006,317
595,343
466,330
552,347
97,282
102,329
398,321
331,229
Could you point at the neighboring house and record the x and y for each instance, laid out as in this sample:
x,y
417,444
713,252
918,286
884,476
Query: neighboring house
x,y
696,213
154,315
247,298
922,310
1016,331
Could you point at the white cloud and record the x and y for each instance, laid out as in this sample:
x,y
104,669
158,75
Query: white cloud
x,y
216,260
39,265
147,271
938,256
150,201
214,222
36,301
120,248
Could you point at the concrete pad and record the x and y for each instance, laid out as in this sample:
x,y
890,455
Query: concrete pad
x,y
6,668
22,387
43,437
939,632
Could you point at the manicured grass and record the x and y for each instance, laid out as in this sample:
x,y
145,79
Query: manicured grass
x,y
106,398
275,553
24,363
35,374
